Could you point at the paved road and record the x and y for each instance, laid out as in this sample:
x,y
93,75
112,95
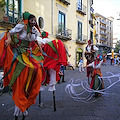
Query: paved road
x,y
106,107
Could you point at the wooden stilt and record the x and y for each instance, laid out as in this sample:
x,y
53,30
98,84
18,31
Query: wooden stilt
x,y
16,117
88,81
39,98
54,100
23,117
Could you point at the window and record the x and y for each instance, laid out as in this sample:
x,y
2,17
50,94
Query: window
x,y
91,36
41,22
79,4
13,10
61,23
79,30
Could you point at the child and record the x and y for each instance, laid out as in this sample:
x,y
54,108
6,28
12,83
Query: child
x,y
80,65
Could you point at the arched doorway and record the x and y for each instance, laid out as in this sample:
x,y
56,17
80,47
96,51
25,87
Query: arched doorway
x,y
79,54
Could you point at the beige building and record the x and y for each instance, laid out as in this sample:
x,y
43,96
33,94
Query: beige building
x,y
104,32
115,39
67,20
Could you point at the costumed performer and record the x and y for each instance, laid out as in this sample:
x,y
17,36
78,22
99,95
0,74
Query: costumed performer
x,y
96,82
21,57
90,54
54,56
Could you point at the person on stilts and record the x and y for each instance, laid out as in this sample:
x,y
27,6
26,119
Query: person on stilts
x,y
21,58
90,54
54,56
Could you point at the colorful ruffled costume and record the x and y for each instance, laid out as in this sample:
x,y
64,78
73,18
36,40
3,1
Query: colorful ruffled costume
x,y
96,82
54,56
22,62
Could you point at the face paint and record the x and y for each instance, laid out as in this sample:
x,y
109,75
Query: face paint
x,y
32,22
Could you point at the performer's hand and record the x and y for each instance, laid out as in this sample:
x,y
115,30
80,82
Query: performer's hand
x,y
40,48
7,42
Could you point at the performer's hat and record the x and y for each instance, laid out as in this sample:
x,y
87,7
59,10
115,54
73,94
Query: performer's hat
x,y
45,34
99,57
89,41
26,16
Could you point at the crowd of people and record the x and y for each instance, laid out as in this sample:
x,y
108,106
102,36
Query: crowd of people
x,y
30,65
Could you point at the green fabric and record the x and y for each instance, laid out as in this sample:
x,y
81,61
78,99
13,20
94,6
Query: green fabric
x,y
43,34
19,67
26,15
38,58
97,83
54,48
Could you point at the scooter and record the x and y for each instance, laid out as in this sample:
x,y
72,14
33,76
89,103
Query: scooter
x,y
1,83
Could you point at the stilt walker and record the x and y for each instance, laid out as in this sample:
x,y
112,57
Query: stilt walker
x,y
21,58
54,56
90,56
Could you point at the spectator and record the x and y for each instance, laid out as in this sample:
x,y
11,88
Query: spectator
x,y
80,65
70,65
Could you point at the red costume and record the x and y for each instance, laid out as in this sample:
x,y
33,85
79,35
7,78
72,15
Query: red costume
x,y
55,57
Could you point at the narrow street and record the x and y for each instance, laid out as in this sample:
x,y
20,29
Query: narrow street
x,y
106,107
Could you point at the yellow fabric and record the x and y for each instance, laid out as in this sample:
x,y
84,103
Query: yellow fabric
x,y
26,60
36,50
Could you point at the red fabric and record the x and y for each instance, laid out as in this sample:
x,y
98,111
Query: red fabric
x,y
92,82
50,63
89,69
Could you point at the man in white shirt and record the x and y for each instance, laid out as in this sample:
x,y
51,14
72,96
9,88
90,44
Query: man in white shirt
x,y
89,54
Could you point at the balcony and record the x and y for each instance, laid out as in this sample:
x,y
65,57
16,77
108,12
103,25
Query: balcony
x,y
102,27
102,21
81,39
102,33
80,8
63,34
66,2
103,39
10,18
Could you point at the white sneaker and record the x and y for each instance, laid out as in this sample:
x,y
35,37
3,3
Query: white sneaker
x,y
51,88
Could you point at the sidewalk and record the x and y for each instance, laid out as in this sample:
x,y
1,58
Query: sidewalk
x,y
107,107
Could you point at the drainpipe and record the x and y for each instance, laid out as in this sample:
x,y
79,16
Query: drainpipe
x,y
87,19
52,18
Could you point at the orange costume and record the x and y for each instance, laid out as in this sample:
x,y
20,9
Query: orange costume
x,y
22,62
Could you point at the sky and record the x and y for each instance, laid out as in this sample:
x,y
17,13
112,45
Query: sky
x,y
109,8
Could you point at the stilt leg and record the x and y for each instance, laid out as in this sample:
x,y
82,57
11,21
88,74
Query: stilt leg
x,y
23,118
16,117
40,99
63,79
88,81
54,100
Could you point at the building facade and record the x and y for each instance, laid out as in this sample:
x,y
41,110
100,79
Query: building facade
x,y
104,33
67,20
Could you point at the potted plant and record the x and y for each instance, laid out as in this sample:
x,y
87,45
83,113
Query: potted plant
x,y
93,15
2,5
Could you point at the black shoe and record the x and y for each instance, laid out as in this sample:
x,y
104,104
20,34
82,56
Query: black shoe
x,y
16,117
23,118
96,95
58,82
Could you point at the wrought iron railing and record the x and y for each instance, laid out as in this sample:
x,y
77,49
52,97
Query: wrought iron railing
x,y
63,33
81,8
82,38
67,2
